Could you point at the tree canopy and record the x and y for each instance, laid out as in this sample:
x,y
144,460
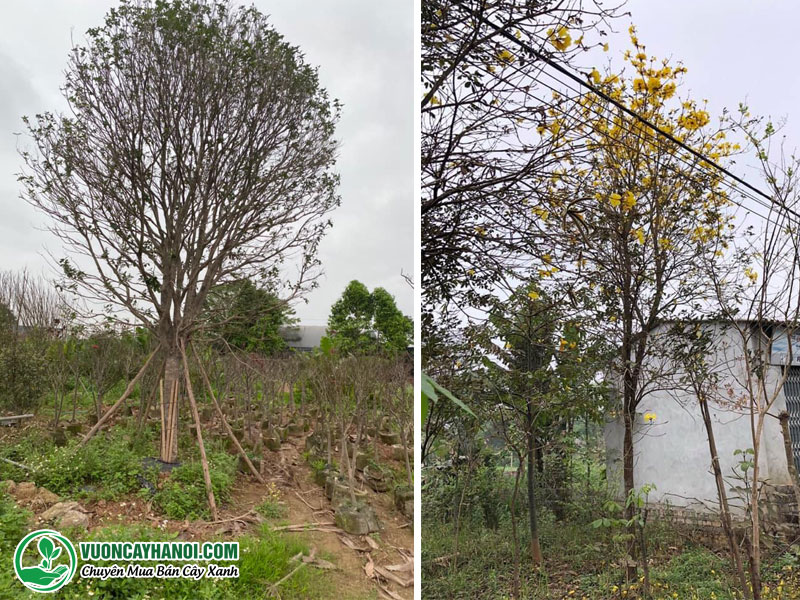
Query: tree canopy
x,y
364,322
246,317
198,149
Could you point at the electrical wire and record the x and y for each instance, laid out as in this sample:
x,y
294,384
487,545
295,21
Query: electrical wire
x,y
570,75
732,186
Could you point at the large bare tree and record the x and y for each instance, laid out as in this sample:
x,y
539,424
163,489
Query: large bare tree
x,y
198,148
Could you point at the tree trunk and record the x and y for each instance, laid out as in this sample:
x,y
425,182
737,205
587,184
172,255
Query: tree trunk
x,y
724,509
755,567
409,470
628,479
75,399
470,465
536,551
512,509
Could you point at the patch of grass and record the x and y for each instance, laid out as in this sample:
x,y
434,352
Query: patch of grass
x,y
110,465
267,557
13,523
264,559
579,563
183,494
272,507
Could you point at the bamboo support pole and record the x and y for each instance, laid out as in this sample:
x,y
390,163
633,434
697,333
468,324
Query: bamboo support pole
x,y
203,459
161,410
225,424
169,449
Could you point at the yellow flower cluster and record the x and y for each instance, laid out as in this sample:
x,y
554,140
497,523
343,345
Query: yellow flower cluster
x,y
626,200
560,39
544,273
694,119
505,56
566,345
541,213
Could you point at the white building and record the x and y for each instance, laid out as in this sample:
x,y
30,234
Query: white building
x,y
303,338
671,446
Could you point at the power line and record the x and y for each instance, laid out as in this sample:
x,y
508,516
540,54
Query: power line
x,y
580,81
637,134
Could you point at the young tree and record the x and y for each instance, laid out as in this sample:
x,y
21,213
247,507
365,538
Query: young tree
x,y
545,373
757,299
103,364
198,149
692,345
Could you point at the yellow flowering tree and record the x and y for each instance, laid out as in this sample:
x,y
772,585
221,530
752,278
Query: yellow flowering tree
x,y
630,212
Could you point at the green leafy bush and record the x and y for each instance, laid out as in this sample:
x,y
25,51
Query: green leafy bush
x,y
109,465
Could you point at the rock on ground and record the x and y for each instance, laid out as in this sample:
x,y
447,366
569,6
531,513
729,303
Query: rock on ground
x,y
66,514
357,519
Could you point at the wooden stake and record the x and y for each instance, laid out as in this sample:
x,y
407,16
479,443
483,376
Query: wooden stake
x,y
228,429
166,427
169,427
173,428
203,460
128,390
161,408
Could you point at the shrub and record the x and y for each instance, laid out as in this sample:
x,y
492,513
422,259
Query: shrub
x,y
272,507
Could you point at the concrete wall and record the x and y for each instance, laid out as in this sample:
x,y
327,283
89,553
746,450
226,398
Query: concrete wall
x,y
672,451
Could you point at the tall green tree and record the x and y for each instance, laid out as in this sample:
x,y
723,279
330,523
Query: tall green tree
x,y
243,316
364,322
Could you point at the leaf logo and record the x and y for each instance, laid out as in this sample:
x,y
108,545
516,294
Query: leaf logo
x,y
49,574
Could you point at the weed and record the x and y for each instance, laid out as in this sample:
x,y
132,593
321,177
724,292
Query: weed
x,y
13,523
272,507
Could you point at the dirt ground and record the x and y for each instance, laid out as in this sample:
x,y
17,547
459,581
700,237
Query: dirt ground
x,y
354,557
308,504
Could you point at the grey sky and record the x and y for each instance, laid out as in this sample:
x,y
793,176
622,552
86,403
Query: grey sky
x,y
365,57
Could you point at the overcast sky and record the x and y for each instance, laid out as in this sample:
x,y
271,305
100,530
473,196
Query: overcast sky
x,y
365,57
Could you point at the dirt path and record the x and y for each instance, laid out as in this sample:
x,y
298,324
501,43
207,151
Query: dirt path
x,y
307,504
